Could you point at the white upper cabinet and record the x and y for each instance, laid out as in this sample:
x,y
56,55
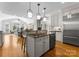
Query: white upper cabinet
x,y
56,21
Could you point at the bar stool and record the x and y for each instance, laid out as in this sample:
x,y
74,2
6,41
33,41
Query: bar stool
x,y
25,38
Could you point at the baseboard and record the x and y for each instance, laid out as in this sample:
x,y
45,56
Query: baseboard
x,y
59,41
45,53
71,44
1,45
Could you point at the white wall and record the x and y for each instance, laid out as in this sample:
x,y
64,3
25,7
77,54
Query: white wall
x,y
55,22
35,24
59,35
4,16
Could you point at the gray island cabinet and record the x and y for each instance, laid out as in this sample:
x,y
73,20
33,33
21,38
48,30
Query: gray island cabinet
x,y
37,46
1,38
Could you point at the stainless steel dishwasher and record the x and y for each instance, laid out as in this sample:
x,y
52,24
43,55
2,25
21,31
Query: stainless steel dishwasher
x,y
52,41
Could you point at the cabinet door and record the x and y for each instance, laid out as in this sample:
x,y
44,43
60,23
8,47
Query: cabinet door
x,y
30,46
39,47
45,44
1,38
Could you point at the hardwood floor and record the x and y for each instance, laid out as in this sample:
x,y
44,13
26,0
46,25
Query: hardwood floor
x,y
10,47
63,50
13,48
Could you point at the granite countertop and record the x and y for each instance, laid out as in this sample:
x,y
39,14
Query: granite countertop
x,y
38,35
55,31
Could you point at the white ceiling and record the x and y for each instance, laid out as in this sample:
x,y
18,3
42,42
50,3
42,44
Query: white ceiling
x,y
20,8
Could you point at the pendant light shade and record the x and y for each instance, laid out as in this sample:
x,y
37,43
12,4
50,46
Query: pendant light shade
x,y
44,16
29,11
38,16
69,15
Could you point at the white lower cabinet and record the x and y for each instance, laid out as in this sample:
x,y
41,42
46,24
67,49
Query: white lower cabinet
x,y
37,46
46,44
30,46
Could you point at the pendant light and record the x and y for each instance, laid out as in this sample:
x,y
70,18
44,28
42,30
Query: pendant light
x,y
29,11
44,16
38,14
69,15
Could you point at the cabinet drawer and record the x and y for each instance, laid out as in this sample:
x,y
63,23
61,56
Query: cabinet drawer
x,y
38,39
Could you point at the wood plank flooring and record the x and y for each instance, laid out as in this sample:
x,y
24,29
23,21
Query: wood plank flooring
x,y
63,50
10,47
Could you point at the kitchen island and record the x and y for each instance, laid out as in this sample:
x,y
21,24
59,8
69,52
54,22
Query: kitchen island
x,y
1,38
37,44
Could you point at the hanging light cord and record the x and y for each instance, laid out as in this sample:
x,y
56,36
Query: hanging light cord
x,y
44,11
70,11
38,7
30,5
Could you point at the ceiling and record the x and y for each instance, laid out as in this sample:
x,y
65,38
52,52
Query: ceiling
x,y
20,8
